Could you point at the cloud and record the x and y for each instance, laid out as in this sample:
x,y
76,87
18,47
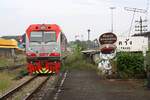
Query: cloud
x,y
74,16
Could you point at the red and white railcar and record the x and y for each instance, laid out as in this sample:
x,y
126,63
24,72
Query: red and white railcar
x,y
45,46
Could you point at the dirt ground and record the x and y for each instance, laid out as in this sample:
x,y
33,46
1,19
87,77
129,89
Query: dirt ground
x,y
86,85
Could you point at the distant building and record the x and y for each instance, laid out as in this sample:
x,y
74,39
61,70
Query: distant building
x,y
146,34
20,39
11,37
7,47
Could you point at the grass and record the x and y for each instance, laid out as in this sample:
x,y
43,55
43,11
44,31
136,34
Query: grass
x,y
77,61
5,81
5,61
21,59
8,78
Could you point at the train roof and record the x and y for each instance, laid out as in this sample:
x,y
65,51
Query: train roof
x,y
42,27
47,27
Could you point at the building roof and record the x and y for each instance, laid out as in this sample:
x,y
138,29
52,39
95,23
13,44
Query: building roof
x,y
146,34
8,43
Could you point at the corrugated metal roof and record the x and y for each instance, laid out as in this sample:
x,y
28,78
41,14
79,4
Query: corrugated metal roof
x,y
8,47
8,43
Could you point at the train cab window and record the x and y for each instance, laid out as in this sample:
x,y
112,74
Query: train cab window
x,y
36,37
50,36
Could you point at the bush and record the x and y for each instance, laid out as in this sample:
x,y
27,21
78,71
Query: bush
x,y
130,65
148,61
77,61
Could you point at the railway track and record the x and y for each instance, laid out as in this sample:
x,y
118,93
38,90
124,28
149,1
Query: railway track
x,y
26,90
10,68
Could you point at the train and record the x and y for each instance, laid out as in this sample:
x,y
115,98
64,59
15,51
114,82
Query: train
x,y
46,46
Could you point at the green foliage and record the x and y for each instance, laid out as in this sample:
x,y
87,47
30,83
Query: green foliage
x,y
21,59
78,43
130,64
76,60
5,61
21,74
5,81
4,85
148,61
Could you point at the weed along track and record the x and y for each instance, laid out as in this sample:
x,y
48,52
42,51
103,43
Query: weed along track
x,y
26,89
10,68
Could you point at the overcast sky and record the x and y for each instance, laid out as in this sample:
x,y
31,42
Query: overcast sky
x,y
74,17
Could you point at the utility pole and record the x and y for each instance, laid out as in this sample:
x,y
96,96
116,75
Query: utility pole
x,y
134,10
88,38
147,7
112,8
89,34
141,27
147,13
147,69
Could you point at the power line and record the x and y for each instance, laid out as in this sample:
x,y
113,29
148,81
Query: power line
x,y
134,10
147,8
141,27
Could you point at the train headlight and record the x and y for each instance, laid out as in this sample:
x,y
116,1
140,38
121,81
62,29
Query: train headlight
x,y
30,49
55,49
30,54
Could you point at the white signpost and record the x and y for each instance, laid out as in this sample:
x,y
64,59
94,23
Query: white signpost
x,y
132,44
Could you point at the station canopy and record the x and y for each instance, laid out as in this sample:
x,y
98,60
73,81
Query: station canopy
x,y
8,43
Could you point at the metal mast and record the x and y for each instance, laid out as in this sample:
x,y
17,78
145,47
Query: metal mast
x,y
112,8
88,34
134,10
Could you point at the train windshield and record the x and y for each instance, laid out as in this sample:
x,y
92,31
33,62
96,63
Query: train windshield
x,y
42,36
36,37
50,36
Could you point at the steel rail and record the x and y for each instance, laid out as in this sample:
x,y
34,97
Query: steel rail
x,y
11,92
28,97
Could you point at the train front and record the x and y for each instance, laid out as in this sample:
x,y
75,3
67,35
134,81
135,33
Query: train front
x,y
43,48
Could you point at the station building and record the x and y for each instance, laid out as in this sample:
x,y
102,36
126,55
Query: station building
x,y
8,47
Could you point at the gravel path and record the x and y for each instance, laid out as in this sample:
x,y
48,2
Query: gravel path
x,y
86,85
48,87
